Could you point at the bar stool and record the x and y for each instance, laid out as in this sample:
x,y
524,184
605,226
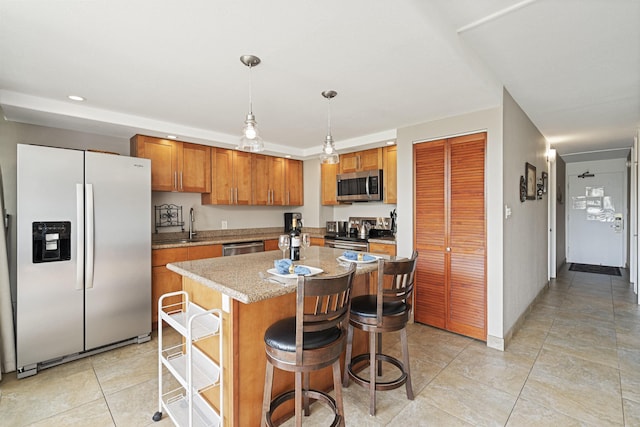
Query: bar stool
x,y
386,311
311,340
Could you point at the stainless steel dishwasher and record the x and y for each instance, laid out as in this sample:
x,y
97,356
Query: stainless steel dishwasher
x,y
242,248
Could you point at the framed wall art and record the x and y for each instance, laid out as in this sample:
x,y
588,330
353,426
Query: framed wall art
x,y
530,178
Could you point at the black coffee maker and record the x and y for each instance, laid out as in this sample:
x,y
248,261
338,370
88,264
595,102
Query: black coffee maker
x,y
288,220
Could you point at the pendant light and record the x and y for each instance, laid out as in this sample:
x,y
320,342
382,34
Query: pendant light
x,y
329,154
250,140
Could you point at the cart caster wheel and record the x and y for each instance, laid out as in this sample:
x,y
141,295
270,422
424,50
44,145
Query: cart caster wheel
x,y
157,416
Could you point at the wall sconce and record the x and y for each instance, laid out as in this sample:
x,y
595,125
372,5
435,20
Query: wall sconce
x,y
543,183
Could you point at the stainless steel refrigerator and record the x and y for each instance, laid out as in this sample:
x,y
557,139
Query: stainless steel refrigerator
x,y
83,254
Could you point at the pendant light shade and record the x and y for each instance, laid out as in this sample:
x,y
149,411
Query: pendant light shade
x,y
250,140
329,154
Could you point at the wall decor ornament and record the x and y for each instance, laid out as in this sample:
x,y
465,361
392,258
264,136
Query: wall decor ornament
x,y
530,177
523,188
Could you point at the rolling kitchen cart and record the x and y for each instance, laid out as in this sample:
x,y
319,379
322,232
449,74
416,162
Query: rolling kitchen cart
x,y
195,371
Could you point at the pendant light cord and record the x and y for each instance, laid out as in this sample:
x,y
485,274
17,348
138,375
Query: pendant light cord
x,y
250,90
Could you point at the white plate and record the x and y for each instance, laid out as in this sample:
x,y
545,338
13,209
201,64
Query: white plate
x,y
313,271
342,258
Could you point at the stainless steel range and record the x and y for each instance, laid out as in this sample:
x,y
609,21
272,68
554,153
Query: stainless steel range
x,y
357,233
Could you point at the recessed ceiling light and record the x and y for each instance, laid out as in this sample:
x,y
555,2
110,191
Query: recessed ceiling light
x,y
288,156
75,98
390,142
172,137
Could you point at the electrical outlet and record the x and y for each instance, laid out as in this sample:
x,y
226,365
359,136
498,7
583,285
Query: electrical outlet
x,y
224,225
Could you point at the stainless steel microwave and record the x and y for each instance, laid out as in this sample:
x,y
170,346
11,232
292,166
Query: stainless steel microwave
x,y
360,186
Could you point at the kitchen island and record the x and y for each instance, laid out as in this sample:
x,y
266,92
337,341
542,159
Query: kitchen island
x,y
250,305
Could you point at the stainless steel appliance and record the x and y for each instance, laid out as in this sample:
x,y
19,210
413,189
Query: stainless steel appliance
x,y
360,230
288,220
337,228
360,186
242,248
84,254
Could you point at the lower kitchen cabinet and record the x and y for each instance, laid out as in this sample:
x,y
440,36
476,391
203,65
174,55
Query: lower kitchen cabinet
x,y
382,248
164,280
317,241
271,245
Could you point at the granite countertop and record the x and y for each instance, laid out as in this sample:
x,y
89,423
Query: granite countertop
x,y
238,276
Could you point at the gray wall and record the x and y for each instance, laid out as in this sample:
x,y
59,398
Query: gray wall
x,y
526,231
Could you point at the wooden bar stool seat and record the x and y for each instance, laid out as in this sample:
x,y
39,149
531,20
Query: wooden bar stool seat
x,y
312,340
386,311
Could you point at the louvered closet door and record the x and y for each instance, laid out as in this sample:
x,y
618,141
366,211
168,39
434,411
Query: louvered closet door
x,y
450,231
430,231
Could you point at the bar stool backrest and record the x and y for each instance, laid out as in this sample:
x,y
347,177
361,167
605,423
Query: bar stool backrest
x,y
322,303
395,282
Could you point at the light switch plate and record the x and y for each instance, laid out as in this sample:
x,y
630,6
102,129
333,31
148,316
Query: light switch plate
x,y
224,225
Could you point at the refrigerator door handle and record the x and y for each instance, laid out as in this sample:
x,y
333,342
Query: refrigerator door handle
x,y
89,241
79,236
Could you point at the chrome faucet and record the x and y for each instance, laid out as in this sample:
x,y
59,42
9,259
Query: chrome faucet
x,y
192,232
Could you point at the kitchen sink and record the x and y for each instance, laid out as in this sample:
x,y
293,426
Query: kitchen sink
x,y
181,240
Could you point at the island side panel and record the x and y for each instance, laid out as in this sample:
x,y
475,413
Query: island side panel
x,y
244,357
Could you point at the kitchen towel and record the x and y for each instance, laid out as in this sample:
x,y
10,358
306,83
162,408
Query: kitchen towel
x,y
7,348
283,267
353,256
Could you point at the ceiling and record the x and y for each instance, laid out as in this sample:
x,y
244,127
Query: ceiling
x,y
162,67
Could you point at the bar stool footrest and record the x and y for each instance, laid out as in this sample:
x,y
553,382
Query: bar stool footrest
x,y
312,394
383,385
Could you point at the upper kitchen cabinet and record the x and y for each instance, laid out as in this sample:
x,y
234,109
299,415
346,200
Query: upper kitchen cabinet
x,y
390,177
294,193
175,165
230,178
267,177
329,175
361,161
277,181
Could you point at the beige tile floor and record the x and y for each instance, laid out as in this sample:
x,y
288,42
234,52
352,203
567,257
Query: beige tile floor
x,y
575,361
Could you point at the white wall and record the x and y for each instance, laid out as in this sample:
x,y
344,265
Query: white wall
x,y
486,120
526,231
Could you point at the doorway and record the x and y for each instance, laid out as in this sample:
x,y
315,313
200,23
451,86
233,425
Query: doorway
x,y
596,215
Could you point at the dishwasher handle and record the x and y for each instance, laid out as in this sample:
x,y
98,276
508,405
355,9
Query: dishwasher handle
x,y
242,248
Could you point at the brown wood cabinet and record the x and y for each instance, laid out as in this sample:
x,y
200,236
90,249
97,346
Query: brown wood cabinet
x,y
277,181
450,234
268,180
230,178
271,245
294,179
361,161
382,248
329,174
175,165
317,241
390,174
164,280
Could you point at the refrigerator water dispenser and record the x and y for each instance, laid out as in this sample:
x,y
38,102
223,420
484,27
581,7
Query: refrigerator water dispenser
x,y
51,241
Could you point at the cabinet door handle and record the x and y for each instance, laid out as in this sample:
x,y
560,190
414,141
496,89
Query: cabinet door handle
x,y
230,195
175,180
236,195
181,187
